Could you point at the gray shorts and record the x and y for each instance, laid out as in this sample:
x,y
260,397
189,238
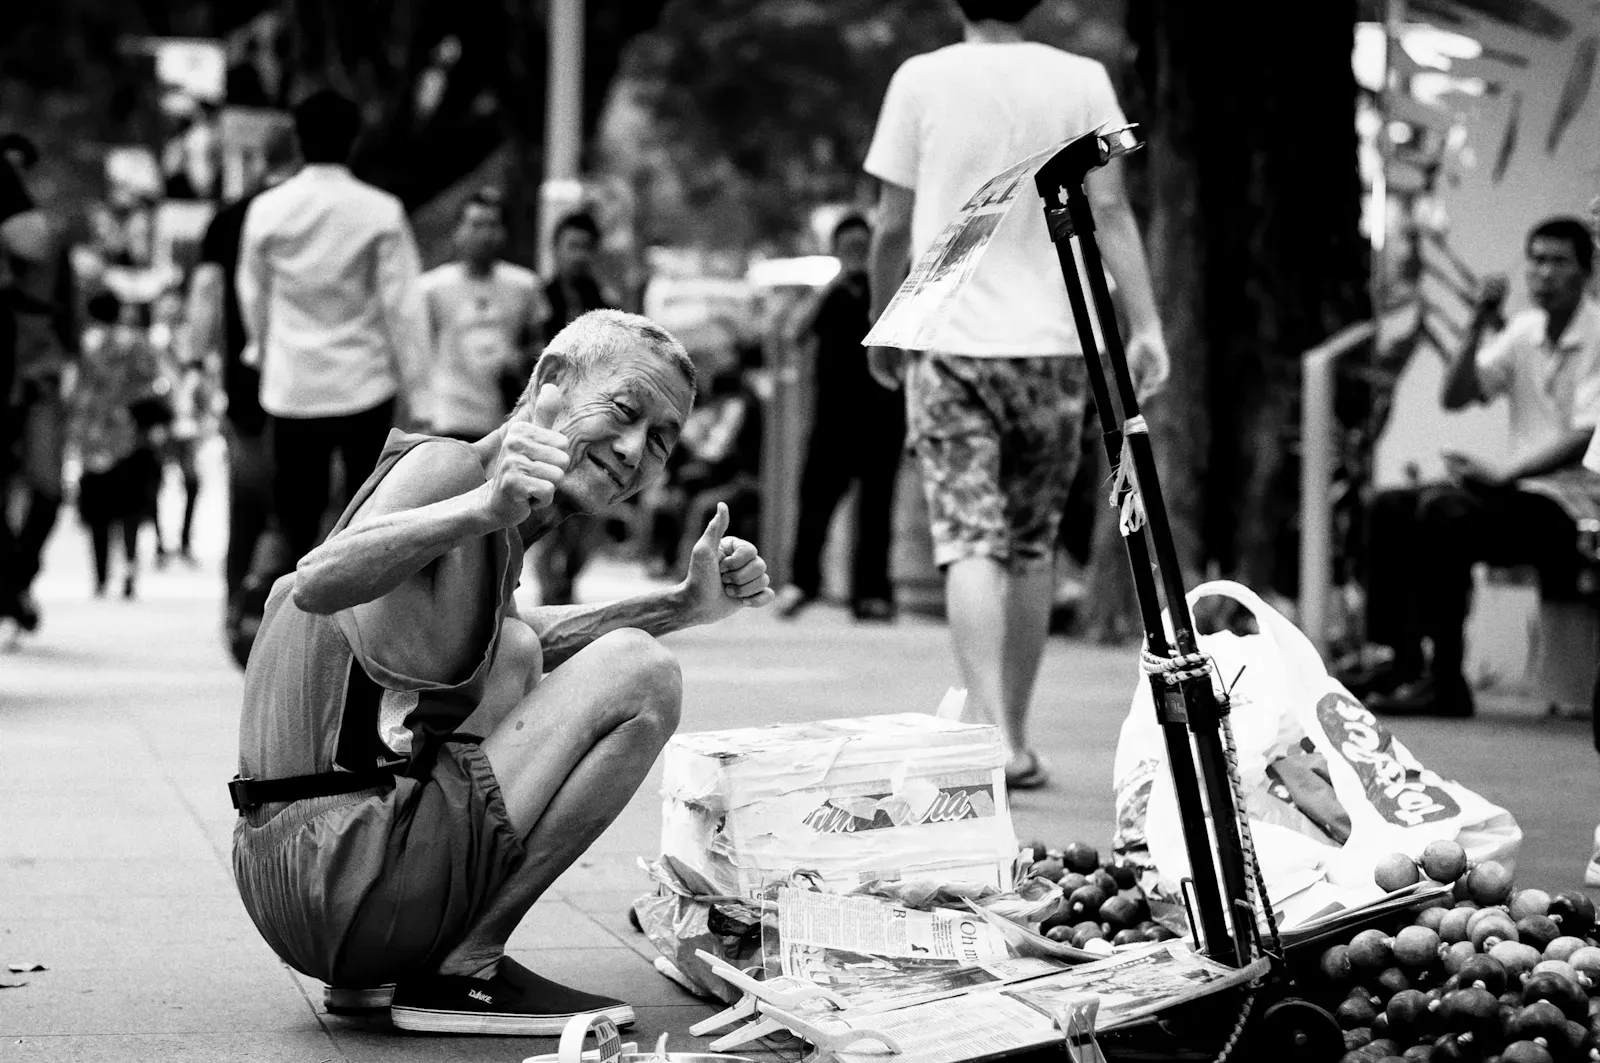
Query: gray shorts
x,y
364,889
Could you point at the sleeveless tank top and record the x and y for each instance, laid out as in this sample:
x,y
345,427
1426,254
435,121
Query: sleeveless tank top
x,y
311,700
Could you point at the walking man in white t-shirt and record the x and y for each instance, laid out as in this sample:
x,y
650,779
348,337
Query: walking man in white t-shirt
x,y
994,412
485,317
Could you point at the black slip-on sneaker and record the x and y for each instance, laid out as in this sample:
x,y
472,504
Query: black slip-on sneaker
x,y
514,1003
343,1000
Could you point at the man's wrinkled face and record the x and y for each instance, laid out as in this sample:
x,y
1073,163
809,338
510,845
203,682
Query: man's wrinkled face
x,y
621,424
1555,280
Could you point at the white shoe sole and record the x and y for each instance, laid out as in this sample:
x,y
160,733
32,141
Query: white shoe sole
x,y
337,999
500,1024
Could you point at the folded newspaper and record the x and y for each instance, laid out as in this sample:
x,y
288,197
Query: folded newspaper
x,y
1004,1020
943,985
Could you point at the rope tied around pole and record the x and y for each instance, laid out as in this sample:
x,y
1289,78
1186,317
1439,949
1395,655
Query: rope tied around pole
x,y
1125,497
1175,669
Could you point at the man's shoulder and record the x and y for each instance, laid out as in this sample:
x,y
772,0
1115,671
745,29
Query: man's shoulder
x,y
1524,330
954,58
515,276
381,204
441,276
432,470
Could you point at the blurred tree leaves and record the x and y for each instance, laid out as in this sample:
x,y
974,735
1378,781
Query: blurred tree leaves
x,y
761,109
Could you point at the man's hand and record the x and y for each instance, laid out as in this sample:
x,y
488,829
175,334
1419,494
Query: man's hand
x,y
1487,308
887,366
1465,469
533,459
1148,362
725,575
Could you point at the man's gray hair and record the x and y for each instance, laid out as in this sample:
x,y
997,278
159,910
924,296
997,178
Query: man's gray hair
x,y
593,340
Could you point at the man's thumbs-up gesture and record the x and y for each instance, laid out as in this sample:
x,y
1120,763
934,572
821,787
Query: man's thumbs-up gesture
x,y
533,459
726,574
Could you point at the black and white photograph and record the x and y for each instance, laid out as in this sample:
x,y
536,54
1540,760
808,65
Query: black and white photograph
x,y
500,502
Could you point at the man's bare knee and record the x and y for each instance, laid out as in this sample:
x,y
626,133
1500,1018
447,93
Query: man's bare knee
x,y
653,671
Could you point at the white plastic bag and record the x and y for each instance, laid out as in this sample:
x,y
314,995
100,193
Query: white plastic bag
x,y
1283,702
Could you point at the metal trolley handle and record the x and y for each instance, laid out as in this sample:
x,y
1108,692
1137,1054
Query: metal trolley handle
x,y
1188,709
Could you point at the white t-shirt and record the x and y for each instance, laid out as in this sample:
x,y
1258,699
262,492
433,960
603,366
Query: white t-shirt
x,y
951,120
327,287
480,326
1550,390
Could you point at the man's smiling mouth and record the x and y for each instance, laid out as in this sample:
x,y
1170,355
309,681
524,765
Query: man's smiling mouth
x,y
607,470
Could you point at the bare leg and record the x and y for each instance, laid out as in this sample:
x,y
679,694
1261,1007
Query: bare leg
x,y
999,621
568,758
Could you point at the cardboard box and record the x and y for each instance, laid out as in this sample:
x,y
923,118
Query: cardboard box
x,y
906,796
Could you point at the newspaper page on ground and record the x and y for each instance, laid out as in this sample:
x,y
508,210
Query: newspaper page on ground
x,y
913,318
1134,984
950,1031
1129,986
879,955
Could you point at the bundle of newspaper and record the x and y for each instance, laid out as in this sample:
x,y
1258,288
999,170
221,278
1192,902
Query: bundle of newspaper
x,y
906,796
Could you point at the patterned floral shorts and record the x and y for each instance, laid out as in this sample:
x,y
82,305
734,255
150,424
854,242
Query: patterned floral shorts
x,y
998,441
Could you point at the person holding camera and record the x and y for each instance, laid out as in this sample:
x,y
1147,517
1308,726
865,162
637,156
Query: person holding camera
x,y
1424,541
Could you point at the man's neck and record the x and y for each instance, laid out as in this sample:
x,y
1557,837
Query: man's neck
x,y
1557,318
477,268
993,31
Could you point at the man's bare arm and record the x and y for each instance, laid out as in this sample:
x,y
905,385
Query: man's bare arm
x,y
1562,452
563,630
411,520
1121,245
1461,384
889,259
205,308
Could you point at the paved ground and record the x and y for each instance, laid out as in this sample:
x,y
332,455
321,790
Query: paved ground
x,y
117,730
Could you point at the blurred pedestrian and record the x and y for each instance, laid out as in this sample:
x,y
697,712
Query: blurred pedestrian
x,y
718,457
485,318
857,437
327,282
994,412
43,313
216,329
572,291
118,412
1423,542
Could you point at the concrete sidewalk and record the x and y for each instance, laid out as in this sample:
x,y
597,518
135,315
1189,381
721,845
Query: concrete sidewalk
x,y
117,736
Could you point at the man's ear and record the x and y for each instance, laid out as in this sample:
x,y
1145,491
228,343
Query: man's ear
x,y
553,367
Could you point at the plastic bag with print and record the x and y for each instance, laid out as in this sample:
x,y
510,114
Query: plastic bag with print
x,y
1329,789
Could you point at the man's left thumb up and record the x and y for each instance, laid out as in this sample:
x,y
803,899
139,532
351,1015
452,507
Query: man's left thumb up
x,y
717,528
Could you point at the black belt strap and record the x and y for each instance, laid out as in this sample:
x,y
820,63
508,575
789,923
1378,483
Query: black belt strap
x,y
248,793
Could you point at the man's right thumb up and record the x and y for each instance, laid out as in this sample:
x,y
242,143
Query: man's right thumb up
x,y
546,406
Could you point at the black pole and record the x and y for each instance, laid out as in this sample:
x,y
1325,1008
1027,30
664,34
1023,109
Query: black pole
x,y
1180,757
1191,709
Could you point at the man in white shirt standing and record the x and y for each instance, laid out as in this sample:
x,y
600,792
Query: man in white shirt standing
x,y
485,317
328,289
994,413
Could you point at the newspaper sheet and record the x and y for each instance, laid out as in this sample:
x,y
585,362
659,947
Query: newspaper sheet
x,y
951,1031
1129,986
1134,984
879,955
919,309
879,928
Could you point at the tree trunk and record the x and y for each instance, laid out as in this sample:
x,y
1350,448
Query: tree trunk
x,y
1253,234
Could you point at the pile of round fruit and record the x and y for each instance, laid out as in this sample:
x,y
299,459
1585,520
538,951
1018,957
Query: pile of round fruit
x,y
1103,906
1486,974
